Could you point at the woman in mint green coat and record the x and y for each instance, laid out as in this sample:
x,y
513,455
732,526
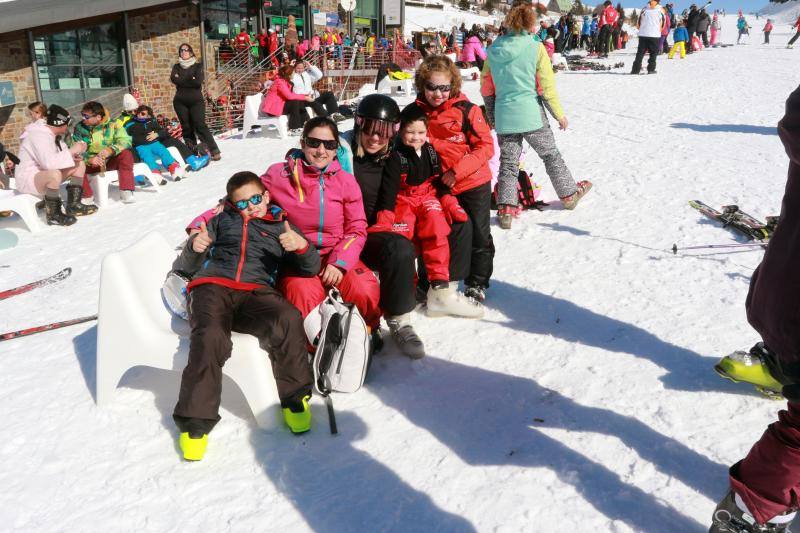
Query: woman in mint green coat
x,y
523,75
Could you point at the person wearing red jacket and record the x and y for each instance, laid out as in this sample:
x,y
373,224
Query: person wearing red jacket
x,y
242,41
410,204
767,30
272,46
796,35
460,135
608,18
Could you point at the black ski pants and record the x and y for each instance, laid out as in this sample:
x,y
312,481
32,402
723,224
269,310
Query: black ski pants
x,y
214,312
295,110
794,38
392,256
766,37
604,40
646,44
191,110
324,105
477,204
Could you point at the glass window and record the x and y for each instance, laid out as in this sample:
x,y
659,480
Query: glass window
x,y
81,64
367,9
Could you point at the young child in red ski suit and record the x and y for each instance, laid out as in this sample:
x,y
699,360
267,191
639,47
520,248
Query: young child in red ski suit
x,y
413,202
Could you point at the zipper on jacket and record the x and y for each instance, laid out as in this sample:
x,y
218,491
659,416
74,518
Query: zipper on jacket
x,y
321,209
243,250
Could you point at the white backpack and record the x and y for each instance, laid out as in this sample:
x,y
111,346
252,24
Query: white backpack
x,y
342,340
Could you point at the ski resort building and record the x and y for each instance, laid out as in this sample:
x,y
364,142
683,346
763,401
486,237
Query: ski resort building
x,y
69,52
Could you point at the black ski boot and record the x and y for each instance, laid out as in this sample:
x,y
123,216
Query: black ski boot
x,y
74,205
730,518
55,216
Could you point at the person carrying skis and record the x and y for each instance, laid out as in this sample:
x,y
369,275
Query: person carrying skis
x,y
414,203
764,485
233,289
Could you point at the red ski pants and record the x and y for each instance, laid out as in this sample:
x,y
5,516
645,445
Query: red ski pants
x,y
768,479
421,220
358,286
122,163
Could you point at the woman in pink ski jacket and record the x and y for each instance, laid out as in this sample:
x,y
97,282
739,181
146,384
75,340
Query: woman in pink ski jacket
x,y
325,202
473,52
281,100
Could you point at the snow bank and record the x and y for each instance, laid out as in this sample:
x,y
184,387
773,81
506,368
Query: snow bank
x,y
786,12
419,18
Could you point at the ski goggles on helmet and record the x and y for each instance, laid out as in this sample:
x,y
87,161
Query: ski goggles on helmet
x,y
382,128
241,205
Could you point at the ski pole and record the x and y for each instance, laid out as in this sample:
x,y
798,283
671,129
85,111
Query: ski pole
x,y
707,246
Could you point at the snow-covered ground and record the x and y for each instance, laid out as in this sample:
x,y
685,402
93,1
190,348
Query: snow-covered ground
x,y
584,401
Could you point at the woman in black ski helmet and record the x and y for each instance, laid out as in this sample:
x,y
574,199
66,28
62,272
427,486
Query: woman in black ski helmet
x,y
364,151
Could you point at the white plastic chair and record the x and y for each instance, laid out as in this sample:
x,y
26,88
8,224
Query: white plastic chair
x,y
471,73
252,104
25,206
135,328
396,86
101,184
176,155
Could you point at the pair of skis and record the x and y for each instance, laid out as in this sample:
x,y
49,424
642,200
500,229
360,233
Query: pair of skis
x,y
22,289
733,217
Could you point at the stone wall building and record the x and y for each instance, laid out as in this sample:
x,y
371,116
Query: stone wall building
x,y
71,52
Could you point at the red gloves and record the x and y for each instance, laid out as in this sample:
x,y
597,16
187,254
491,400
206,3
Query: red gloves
x,y
453,211
384,222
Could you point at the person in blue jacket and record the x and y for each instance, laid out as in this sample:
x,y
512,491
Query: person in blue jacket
x,y
586,33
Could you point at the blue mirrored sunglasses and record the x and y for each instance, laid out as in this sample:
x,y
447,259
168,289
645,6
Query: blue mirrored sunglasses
x,y
241,205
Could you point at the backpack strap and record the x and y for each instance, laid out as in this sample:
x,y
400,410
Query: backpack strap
x,y
404,168
436,166
466,107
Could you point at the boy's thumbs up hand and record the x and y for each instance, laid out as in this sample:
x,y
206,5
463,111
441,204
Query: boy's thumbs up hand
x,y
290,239
202,240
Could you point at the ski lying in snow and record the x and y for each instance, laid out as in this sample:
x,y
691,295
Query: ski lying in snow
x,y
733,217
64,274
46,327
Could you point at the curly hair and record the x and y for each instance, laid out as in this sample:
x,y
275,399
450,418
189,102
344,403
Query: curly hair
x,y
437,63
521,18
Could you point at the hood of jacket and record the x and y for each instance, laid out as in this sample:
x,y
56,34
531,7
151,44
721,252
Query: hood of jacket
x,y
38,126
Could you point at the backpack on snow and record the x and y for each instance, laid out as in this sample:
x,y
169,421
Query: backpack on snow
x,y
527,193
342,355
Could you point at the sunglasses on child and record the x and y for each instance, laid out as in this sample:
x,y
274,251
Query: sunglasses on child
x,y
313,142
87,116
241,205
433,88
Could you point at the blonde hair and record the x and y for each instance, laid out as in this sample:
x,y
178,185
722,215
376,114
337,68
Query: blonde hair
x,y
521,18
433,64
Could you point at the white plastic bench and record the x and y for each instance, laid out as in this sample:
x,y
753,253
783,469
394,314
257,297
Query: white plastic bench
x,y
101,184
405,87
252,104
25,206
135,328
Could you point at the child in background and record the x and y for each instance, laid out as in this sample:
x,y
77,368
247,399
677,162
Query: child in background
x,y
681,38
146,134
550,41
232,289
767,29
408,204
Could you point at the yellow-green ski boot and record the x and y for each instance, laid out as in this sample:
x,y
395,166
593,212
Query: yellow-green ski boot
x,y
300,421
749,367
193,448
